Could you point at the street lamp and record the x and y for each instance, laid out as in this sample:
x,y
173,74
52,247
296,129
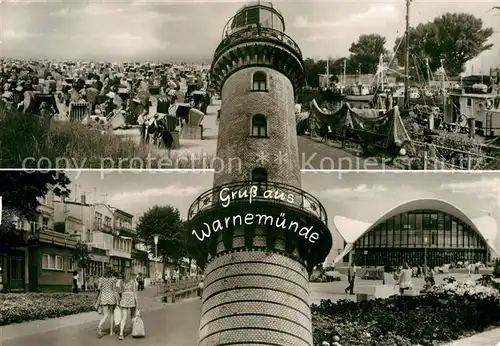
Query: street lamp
x,y
155,239
425,255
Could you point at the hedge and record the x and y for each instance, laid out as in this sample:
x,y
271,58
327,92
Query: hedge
x,y
447,312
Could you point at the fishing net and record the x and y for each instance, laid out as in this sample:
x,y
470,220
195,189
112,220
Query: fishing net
x,y
322,121
374,131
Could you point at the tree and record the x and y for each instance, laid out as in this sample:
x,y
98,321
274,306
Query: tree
x,y
80,255
165,221
366,52
454,37
316,67
313,70
20,191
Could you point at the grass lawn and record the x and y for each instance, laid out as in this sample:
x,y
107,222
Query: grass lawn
x,y
28,141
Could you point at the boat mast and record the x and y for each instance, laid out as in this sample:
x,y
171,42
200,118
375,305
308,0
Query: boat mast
x,y
328,74
344,72
407,50
382,75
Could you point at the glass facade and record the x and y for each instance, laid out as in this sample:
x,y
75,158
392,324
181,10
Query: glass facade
x,y
406,237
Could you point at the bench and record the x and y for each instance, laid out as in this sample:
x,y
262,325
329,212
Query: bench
x,y
375,292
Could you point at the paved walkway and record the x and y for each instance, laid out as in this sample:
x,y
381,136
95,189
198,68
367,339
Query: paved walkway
x,y
489,338
166,324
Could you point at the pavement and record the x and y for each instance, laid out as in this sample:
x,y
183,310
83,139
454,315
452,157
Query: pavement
x,y
165,324
177,324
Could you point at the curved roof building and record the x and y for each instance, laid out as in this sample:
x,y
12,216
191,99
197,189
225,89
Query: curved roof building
x,y
404,234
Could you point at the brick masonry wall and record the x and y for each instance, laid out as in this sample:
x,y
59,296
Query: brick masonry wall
x,y
267,309
255,297
235,144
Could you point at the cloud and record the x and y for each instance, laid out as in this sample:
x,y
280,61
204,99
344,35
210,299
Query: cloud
x,y
13,34
172,191
363,189
128,13
26,2
317,38
377,15
111,40
484,188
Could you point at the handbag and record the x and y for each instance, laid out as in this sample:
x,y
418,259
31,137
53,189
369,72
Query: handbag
x,y
138,327
117,315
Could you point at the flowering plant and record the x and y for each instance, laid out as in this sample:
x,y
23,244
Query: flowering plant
x,y
468,289
23,307
447,312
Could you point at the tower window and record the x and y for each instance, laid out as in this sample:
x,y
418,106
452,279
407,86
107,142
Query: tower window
x,y
259,126
259,175
259,179
259,81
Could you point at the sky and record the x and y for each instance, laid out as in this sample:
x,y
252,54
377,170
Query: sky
x,y
191,29
363,196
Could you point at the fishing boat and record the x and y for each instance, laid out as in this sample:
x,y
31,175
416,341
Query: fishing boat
x,y
333,93
362,93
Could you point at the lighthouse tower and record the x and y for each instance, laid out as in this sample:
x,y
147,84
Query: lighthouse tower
x,y
260,248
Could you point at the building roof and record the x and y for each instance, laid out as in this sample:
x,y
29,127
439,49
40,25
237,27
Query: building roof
x,y
486,226
119,211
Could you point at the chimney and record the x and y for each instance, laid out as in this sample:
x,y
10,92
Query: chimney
x,y
83,199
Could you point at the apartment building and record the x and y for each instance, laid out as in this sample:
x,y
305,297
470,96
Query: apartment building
x,y
42,259
109,233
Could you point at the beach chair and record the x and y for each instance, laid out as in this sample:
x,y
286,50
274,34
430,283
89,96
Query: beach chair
x,y
173,126
193,129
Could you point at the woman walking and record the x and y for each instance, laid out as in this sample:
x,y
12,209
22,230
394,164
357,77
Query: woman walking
x,y
128,302
108,299
405,279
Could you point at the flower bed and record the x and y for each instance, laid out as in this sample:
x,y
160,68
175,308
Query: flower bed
x,y
447,312
23,307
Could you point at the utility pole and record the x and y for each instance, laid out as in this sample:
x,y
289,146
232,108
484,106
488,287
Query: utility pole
x,y
407,51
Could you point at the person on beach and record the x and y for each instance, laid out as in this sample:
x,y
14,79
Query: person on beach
x,y
108,299
129,303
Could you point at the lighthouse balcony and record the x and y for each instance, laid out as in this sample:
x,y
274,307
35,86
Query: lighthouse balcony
x,y
254,34
266,216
